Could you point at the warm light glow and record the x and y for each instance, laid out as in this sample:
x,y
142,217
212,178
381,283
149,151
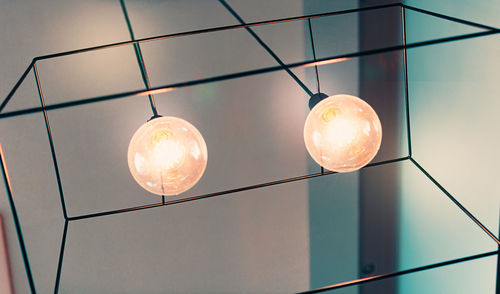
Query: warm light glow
x,y
342,133
325,62
154,92
167,156
5,274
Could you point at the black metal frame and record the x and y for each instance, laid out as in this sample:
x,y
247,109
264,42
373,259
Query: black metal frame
x,y
150,91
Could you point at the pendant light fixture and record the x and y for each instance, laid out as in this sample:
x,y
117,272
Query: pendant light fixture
x,y
342,133
167,155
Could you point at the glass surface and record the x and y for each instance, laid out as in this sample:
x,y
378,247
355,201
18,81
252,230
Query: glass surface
x,y
167,156
342,133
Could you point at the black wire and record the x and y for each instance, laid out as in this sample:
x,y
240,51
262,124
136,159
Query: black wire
x,y
314,53
264,45
140,59
17,223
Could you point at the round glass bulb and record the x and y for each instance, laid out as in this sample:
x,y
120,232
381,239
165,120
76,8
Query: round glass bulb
x,y
342,133
167,156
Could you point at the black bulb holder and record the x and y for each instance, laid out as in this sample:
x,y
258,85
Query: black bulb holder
x,y
315,99
154,116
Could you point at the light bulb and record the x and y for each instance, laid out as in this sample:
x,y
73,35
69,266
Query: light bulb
x,y
342,133
167,156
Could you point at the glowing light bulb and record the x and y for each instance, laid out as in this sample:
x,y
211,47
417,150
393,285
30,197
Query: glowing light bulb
x,y
167,156
342,133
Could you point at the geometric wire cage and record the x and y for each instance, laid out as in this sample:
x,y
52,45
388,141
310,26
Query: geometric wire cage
x,y
150,91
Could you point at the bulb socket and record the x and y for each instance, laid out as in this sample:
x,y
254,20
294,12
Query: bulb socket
x,y
315,99
154,116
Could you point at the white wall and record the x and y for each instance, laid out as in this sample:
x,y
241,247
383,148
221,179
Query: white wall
x,y
257,241
250,242
453,99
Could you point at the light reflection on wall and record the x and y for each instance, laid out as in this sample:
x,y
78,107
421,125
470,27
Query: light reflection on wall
x,y
5,280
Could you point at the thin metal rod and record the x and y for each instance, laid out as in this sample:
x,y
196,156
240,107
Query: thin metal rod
x,y
314,53
140,58
16,86
451,18
400,273
264,45
470,215
209,30
51,142
307,63
61,256
17,224
498,263
188,199
405,59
